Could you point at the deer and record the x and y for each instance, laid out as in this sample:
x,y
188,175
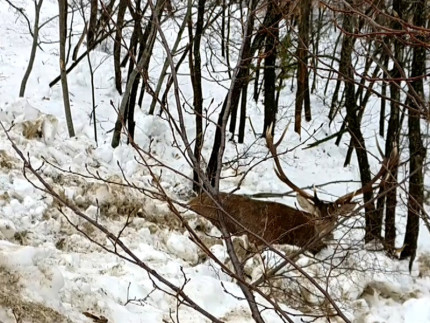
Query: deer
x,y
266,222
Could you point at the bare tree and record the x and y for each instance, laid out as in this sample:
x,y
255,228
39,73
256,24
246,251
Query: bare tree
x,y
140,70
195,63
302,94
417,152
62,8
37,7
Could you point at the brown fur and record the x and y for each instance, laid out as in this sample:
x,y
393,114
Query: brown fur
x,y
276,223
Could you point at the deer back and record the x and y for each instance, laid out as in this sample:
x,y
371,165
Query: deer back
x,y
276,223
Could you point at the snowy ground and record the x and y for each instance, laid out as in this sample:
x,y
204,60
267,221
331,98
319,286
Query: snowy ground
x,y
51,273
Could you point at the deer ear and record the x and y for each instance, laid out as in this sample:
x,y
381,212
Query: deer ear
x,y
305,204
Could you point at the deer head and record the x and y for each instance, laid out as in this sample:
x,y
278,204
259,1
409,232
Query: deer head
x,y
312,204
270,222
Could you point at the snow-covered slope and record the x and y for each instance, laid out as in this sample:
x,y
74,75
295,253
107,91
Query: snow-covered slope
x,y
50,272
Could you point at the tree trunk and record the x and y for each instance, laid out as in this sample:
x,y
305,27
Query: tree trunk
x,y
270,107
232,99
243,103
129,110
302,94
92,26
37,6
141,69
196,80
62,7
373,223
393,133
117,45
385,59
417,151
345,52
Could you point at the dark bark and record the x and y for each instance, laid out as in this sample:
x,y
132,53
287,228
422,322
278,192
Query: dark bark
x,y
270,107
131,105
385,60
345,56
224,6
62,8
417,151
227,44
129,113
135,39
272,17
103,25
37,7
351,146
393,137
140,70
233,119
315,40
243,104
373,224
362,106
257,79
92,25
393,133
196,80
117,45
233,108
302,94
245,61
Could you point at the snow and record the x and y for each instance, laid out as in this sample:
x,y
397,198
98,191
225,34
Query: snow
x,y
45,262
